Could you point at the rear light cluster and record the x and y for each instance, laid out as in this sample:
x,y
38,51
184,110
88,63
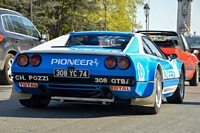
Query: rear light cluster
x,y
111,62
198,55
23,60
1,37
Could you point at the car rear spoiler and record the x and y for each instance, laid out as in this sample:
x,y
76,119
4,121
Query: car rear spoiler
x,y
64,51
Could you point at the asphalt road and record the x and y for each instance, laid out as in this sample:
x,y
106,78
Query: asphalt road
x,y
74,118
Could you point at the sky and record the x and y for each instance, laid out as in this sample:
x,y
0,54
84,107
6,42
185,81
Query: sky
x,y
163,15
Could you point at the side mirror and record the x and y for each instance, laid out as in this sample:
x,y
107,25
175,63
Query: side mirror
x,y
173,56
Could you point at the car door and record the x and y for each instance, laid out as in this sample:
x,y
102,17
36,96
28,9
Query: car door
x,y
193,61
18,34
8,42
169,69
32,33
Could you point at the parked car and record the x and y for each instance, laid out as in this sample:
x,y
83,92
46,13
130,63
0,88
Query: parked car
x,y
194,42
77,67
16,33
173,42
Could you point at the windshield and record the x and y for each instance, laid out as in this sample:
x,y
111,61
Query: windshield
x,y
193,41
99,40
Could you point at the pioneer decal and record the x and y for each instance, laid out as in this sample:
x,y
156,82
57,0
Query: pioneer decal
x,y
77,62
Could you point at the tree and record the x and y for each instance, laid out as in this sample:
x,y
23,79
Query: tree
x,y
119,14
64,16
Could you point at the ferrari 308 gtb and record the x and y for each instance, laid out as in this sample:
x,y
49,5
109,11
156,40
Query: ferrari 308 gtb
x,y
99,67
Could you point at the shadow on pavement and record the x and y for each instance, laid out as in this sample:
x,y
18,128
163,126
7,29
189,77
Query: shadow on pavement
x,y
56,109
191,103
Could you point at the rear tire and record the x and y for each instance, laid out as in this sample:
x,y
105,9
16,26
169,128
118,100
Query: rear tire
x,y
36,101
5,74
195,80
178,95
158,99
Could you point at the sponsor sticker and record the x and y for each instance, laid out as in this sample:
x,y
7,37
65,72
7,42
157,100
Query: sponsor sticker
x,y
169,74
77,62
29,85
169,89
120,88
141,72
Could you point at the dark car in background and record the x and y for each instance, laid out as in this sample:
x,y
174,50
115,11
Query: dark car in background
x,y
16,33
194,42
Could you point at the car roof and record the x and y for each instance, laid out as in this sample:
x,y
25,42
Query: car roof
x,y
8,11
158,32
101,33
192,36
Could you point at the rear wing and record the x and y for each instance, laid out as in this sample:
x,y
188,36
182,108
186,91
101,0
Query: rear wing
x,y
68,51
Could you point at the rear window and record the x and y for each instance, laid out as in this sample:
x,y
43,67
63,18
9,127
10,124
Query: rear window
x,y
17,24
7,24
99,40
166,41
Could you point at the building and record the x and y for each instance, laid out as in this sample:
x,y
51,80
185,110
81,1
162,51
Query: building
x,y
184,17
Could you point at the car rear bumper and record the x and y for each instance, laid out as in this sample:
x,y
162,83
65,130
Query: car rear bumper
x,y
96,88
139,90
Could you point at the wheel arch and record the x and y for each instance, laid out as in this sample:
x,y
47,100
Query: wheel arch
x,y
183,68
160,70
13,52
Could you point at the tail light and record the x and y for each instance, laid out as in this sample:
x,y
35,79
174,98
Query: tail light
x,y
123,63
1,37
110,62
22,60
35,60
198,55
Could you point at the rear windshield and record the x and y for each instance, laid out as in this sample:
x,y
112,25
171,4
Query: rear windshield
x,y
99,40
193,41
166,41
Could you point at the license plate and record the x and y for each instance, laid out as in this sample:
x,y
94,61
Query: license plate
x,y
71,73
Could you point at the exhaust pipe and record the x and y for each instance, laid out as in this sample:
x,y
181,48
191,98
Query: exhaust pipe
x,y
106,93
44,90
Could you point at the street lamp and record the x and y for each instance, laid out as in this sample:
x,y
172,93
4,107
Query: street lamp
x,y
146,11
31,10
133,21
105,3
